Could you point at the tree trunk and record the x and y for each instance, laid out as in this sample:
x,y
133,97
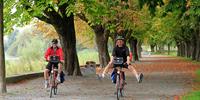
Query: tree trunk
x,y
197,46
101,41
156,48
181,49
198,31
168,48
185,49
152,47
2,55
194,49
133,47
67,36
161,48
139,47
188,49
101,37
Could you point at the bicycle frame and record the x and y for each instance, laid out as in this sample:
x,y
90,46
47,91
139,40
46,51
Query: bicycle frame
x,y
53,84
119,82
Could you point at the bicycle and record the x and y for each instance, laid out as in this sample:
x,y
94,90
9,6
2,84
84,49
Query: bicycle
x,y
120,67
53,75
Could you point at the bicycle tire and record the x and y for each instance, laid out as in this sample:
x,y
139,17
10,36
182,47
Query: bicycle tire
x,y
51,85
122,90
118,86
55,89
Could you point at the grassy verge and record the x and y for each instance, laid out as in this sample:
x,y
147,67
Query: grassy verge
x,y
17,67
172,53
194,95
87,55
20,67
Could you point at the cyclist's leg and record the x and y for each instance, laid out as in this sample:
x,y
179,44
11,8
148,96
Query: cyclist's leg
x,y
47,70
123,75
59,68
121,80
133,70
110,65
46,74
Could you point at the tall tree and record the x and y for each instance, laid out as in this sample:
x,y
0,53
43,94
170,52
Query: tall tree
x,y
2,55
58,13
98,14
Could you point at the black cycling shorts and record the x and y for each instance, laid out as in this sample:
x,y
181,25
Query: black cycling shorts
x,y
49,66
121,65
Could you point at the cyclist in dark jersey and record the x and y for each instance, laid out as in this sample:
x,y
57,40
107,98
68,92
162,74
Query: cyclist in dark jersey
x,y
121,50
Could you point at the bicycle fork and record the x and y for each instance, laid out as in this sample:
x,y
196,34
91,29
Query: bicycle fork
x,y
120,83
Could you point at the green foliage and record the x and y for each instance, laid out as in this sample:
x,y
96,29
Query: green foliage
x,y
36,51
106,13
20,13
151,4
30,50
14,15
178,23
96,11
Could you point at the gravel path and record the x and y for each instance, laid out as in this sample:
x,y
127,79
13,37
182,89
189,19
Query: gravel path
x,y
166,78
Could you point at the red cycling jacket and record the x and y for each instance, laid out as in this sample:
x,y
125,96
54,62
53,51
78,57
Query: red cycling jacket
x,y
131,56
49,52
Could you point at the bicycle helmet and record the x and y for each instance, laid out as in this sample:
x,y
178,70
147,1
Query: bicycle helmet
x,y
119,38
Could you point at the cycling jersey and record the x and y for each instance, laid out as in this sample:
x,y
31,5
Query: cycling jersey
x,y
50,52
121,52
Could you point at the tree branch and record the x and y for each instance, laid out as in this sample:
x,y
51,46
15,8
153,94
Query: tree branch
x,y
52,15
62,9
42,18
82,17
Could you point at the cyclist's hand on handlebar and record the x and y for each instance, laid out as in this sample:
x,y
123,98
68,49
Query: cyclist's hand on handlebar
x,y
126,64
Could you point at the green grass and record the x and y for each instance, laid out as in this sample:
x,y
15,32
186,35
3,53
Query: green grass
x,y
22,66
194,95
172,53
87,55
190,59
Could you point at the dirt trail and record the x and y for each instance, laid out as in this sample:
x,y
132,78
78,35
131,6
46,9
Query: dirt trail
x,y
166,78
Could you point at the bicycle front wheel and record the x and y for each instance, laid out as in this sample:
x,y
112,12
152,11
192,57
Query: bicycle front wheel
x,y
51,85
55,89
118,86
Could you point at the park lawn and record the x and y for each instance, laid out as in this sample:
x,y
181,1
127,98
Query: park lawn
x,y
88,55
19,67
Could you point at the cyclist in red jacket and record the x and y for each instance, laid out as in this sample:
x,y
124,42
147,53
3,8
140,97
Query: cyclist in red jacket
x,y
53,50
